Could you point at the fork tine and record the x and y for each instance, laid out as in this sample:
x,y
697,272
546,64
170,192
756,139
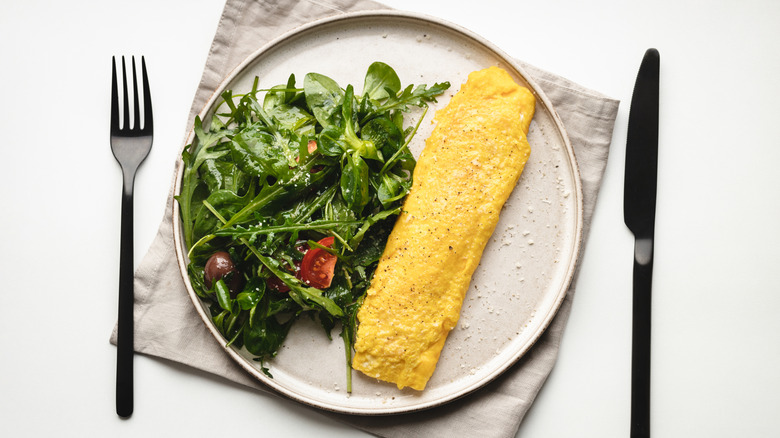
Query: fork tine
x,y
126,106
114,99
136,106
148,123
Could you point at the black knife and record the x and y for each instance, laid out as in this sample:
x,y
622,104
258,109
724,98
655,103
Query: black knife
x,y
639,214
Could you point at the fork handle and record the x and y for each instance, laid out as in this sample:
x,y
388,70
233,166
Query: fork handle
x,y
125,337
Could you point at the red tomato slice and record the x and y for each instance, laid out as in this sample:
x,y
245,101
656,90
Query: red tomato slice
x,y
318,265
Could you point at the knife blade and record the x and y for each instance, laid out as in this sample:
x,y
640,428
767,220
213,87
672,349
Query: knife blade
x,y
639,203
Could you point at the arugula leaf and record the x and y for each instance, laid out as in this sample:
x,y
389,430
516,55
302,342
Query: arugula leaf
x,y
410,96
299,183
193,157
371,220
252,233
226,201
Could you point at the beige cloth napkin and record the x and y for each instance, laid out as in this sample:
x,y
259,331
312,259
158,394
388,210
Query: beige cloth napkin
x,y
168,326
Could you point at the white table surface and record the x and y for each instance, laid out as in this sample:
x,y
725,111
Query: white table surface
x,y
716,309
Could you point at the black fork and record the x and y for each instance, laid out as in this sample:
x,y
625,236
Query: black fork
x,y
130,145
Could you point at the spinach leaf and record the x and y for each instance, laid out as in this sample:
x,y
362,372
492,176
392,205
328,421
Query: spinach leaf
x,y
264,335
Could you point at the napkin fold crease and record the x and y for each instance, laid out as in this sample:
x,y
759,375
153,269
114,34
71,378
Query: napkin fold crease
x,y
167,325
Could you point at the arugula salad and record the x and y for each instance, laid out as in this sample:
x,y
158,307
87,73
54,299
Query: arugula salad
x,y
287,200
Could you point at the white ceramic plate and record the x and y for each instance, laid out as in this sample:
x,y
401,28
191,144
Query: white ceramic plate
x,y
526,268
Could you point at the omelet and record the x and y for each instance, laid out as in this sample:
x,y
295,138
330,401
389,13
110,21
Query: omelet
x,y
468,168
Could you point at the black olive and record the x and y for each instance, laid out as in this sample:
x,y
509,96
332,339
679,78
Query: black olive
x,y
221,266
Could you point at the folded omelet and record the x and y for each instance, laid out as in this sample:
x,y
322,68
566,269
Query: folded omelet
x,y
467,170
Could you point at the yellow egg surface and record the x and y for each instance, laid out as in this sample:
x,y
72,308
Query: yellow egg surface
x,y
467,170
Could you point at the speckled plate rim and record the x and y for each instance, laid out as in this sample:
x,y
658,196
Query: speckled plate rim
x,y
550,312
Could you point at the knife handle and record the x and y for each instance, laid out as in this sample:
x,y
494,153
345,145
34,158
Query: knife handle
x,y
640,352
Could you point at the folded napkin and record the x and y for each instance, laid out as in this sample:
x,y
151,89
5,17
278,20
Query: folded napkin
x,y
167,325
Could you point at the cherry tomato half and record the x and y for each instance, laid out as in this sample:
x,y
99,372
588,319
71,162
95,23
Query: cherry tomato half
x,y
318,265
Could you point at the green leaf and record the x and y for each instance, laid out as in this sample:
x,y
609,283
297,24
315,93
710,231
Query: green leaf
x,y
193,156
280,94
324,98
354,182
300,183
233,178
253,232
381,81
371,220
364,148
211,175
283,305
226,202
252,294
234,327
223,295
338,210
278,106
219,320
196,279
384,134
258,153
331,142
289,95
391,189
274,97
410,96
373,244
264,336
340,291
